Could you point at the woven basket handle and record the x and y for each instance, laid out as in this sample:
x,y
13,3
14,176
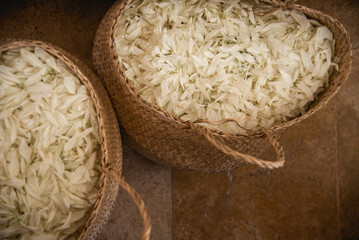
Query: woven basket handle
x,y
286,2
136,198
245,157
281,2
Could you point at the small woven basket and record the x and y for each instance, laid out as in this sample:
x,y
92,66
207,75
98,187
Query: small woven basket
x,y
169,140
111,162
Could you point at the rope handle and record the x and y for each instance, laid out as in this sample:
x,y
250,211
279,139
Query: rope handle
x,y
135,197
284,4
289,1
245,157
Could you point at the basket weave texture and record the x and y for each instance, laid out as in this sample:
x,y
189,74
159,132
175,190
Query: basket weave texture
x,y
169,140
111,162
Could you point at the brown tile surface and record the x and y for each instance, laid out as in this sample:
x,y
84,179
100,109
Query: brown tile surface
x,y
347,13
72,25
69,24
298,201
348,152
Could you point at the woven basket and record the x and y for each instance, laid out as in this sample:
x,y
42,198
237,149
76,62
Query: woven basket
x,y
111,162
169,140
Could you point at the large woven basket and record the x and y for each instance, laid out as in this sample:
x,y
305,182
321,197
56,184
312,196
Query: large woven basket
x,y
111,162
169,140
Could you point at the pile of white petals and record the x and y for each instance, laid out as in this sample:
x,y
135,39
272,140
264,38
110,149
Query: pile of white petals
x,y
49,148
221,59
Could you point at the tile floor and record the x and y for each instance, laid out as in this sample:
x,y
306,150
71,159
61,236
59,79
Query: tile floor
x,y
315,196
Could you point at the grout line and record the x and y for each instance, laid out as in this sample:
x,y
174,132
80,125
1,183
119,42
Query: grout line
x,y
337,169
171,207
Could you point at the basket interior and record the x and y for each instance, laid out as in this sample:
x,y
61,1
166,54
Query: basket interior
x,y
108,127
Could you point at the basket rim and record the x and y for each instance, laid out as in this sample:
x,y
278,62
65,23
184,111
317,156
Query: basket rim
x,y
104,116
119,6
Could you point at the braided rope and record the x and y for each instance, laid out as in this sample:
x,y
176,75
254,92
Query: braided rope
x,y
245,157
135,197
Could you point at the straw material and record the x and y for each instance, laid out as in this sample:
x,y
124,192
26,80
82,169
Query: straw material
x,y
111,162
169,140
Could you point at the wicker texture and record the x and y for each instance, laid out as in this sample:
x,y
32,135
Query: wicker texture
x,y
110,140
169,140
